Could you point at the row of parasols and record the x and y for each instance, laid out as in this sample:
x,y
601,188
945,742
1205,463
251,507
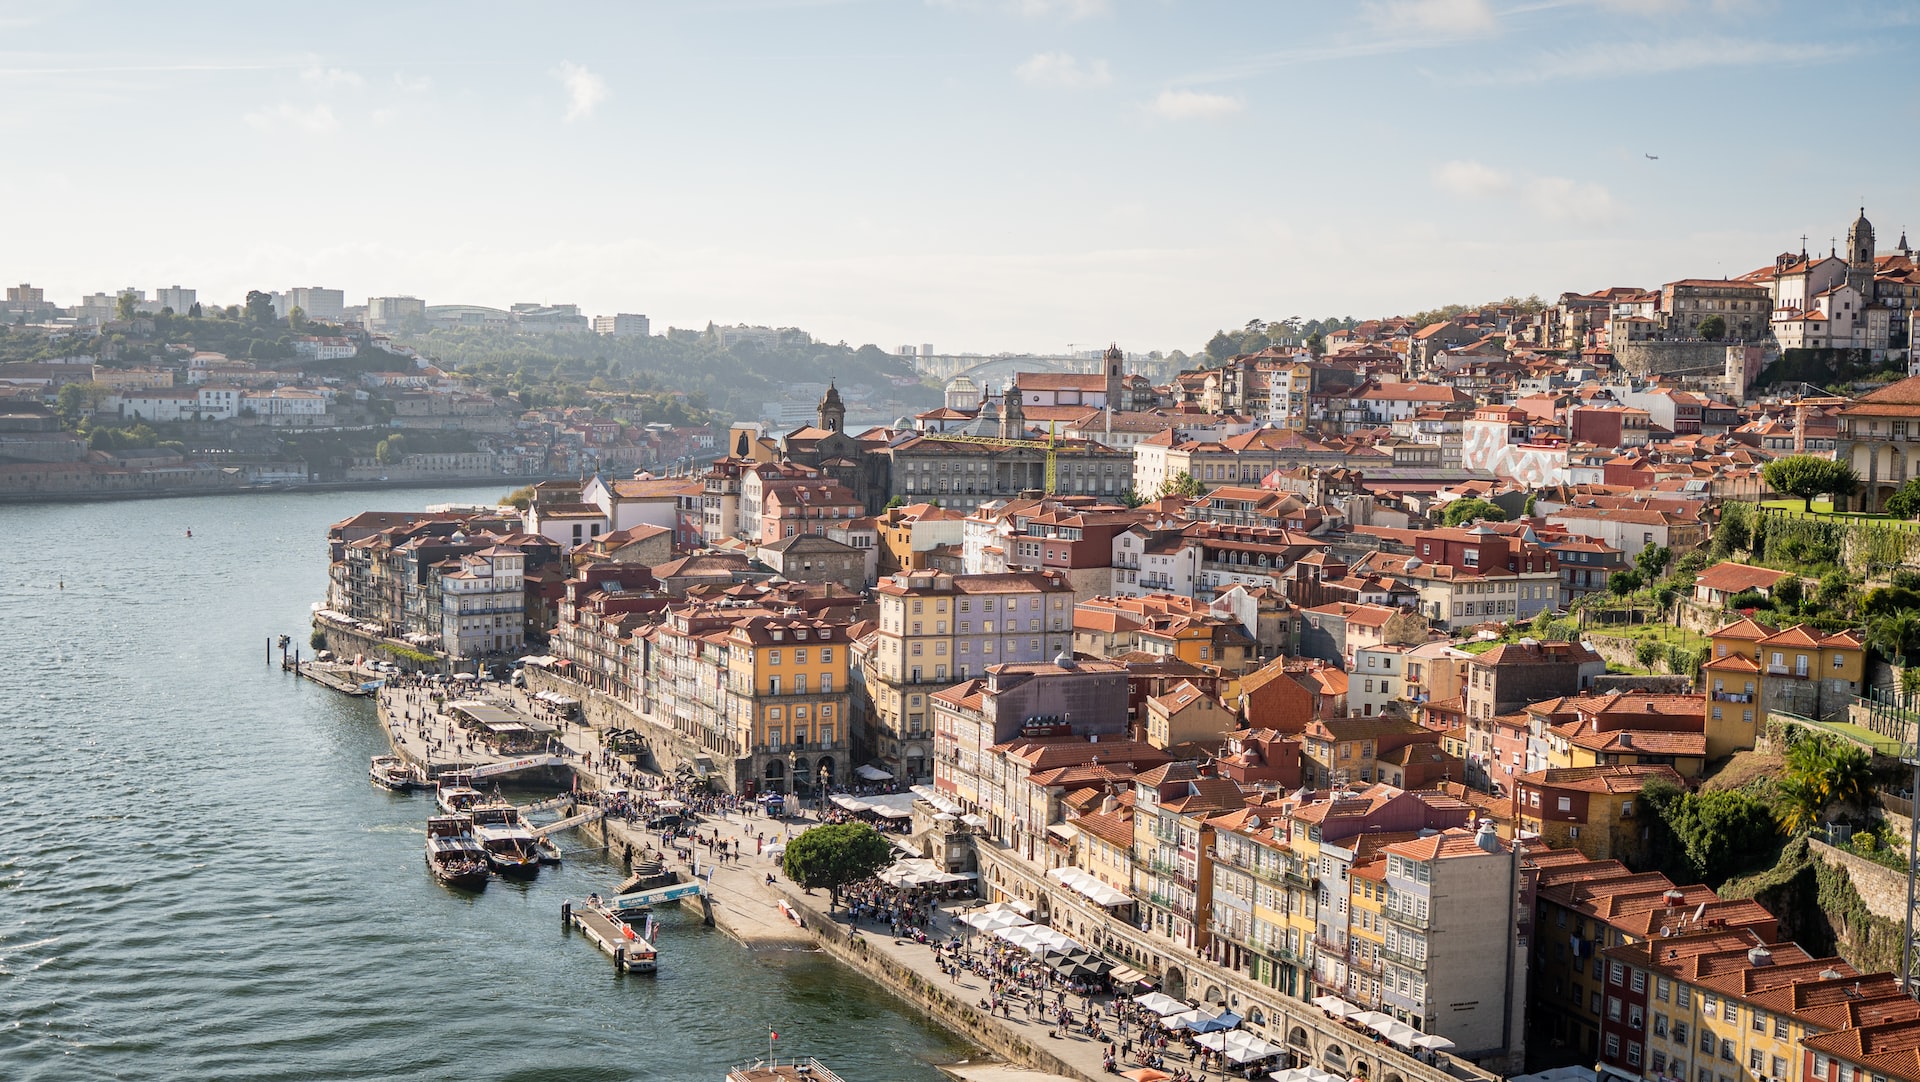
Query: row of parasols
x,y
1058,951
1386,1025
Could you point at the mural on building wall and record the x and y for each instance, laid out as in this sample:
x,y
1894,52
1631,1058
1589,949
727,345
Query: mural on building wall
x,y
1485,448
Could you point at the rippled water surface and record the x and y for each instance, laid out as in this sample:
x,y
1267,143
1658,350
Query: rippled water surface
x,y
197,880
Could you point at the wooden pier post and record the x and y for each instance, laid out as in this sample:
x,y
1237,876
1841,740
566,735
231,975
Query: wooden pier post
x,y
619,959
566,914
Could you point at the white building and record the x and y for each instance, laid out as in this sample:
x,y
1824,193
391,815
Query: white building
x,y
483,608
624,325
1154,562
1379,677
322,348
317,303
174,297
1455,956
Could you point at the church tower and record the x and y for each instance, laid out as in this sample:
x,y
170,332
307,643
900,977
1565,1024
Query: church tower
x,y
833,412
1860,255
1013,418
1116,378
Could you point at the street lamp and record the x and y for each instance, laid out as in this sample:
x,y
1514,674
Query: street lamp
x,y
824,775
793,782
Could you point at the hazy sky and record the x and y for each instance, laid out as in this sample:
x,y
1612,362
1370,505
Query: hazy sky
x,y
977,174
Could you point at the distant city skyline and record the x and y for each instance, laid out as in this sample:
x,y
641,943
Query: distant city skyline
x,y
983,175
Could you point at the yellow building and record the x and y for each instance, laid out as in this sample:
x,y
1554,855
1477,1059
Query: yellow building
x,y
787,696
1755,669
1366,933
1723,1002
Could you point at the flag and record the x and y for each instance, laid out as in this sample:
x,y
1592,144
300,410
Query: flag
x,y
772,1036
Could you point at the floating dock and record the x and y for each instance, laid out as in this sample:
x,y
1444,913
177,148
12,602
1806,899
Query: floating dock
x,y
631,954
341,678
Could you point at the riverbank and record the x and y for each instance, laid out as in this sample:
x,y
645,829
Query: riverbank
x,y
110,493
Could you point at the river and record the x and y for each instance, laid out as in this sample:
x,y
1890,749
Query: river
x,y
197,879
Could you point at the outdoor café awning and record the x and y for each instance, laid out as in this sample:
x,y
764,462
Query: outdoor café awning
x,y
939,801
1086,884
872,773
887,806
1129,975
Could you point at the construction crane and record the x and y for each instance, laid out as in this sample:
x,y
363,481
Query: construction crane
x,y
1053,465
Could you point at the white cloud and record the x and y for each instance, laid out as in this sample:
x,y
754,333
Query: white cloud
x,y
318,120
1558,199
412,84
585,90
1619,59
1063,69
1471,180
1562,200
328,78
1194,105
1451,17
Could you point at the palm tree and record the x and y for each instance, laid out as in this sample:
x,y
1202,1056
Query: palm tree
x,y
1798,808
1894,635
1849,775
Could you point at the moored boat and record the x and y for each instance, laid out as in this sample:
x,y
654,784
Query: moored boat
x,y
393,772
458,799
511,848
453,855
631,951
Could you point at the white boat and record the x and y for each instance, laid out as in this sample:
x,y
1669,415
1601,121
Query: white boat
x,y
393,772
458,799
512,849
609,931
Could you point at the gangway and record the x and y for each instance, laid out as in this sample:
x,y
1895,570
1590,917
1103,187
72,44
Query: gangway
x,y
646,899
570,821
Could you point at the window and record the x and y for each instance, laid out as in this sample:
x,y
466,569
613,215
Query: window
x,y
1726,1050
1638,980
1616,973
1635,1018
1613,1046
773,657
1613,1008
1659,1025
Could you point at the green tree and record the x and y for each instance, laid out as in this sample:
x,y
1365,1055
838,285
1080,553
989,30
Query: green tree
x,y
125,307
1181,484
1622,583
296,318
259,307
390,450
1803,477
1526,509
1906,502
520,498
1821,772
1652,561
1713,328
1895,635
897,501
1718,831
1472,509
834,856
1132,498
1316,345
193,312
1687,567
77,399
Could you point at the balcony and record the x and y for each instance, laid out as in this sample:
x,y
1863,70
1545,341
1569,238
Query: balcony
x,y
1402,958
1408,917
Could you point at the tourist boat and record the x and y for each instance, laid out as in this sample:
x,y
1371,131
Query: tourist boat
x,y
458,799
511,848
783,1070
548,849
393,772
453,855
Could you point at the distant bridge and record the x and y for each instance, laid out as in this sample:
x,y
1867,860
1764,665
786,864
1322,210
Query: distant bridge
x,y
998,370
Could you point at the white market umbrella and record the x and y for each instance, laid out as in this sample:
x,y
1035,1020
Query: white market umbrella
x,y
1305,1074
1432,1041
1399,1033
1160,1003
1335,1006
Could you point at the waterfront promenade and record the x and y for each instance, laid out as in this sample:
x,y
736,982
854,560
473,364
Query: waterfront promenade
x,y
744,904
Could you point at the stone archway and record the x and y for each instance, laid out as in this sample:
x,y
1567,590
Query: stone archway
x,y
776,776
1392,1077
1362,1068
1174,983
1334,1058
1297,1036
1215,994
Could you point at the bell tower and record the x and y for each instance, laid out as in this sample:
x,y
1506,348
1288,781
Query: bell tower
x,y
1013,419
1115,361
832,411
1860,255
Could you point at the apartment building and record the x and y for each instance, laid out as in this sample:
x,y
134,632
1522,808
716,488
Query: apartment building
x,y
936,629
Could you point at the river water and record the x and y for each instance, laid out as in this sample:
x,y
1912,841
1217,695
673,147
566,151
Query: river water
x,y
197,880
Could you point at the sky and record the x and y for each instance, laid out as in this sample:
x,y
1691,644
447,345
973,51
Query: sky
x,y
979,175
